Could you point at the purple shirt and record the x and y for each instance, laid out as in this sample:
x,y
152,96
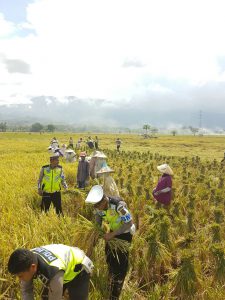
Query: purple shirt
x,y
164,182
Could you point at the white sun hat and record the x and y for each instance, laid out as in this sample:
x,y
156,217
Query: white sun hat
x,y
69,151
95,195
105,169
165,169
52,155
99,154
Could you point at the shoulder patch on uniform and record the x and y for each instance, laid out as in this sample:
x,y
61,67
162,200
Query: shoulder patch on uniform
x,y
114,200
45,254
45,166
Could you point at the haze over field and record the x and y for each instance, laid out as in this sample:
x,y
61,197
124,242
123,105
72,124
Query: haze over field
x,y
127,62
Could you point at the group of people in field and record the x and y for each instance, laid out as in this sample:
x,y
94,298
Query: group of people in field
x,y
63,267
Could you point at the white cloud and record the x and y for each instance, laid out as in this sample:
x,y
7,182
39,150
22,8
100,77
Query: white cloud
x,y
6,28
80,47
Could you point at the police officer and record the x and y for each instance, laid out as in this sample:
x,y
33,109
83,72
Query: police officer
x,y
58,266
114,211
49,184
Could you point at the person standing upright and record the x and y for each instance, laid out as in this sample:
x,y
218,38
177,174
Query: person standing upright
x,y
96,142
223,160
82,171
79,142
118,144
70,143
51,179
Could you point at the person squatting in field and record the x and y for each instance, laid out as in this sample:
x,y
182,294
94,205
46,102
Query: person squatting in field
x,y
51,179
58,266
114,211
163,191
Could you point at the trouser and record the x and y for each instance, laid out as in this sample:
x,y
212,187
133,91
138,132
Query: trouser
x,y
118,147
118,265
81,184
77,288
55,199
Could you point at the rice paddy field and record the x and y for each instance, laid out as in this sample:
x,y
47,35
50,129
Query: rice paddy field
x,y
176,254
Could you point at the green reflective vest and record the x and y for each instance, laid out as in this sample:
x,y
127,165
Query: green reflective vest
x,y
113,218
51,181
63,257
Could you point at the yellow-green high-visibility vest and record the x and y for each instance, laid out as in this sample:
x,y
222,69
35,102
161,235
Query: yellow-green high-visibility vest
x,y
63,257
51,181
111,216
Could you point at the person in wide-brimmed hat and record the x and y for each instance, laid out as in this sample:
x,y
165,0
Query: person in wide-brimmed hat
x,y
63,149
54,143
109,185
98,158
70,155
163,191
114,211
82,171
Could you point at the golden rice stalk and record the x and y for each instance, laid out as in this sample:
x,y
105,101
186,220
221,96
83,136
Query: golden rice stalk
x,y
87,234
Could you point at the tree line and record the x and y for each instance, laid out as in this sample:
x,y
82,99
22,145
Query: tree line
x,y
36,127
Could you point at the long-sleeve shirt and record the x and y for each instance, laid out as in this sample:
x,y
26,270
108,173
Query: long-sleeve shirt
x,y
61,179
163,192
83,171
55,288
109,186
57,265
117,215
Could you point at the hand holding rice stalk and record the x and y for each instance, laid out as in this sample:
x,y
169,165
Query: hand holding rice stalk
x,y
88,233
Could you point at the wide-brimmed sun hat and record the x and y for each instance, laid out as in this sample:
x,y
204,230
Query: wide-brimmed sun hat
x,y
105,169
165,169
99,154
69,151
95,195
54,155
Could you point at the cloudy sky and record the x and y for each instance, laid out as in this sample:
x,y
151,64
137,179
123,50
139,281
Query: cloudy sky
x,y
168,56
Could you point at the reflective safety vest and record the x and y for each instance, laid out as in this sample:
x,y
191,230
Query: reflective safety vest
x,y
52,179
112,216
63,257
